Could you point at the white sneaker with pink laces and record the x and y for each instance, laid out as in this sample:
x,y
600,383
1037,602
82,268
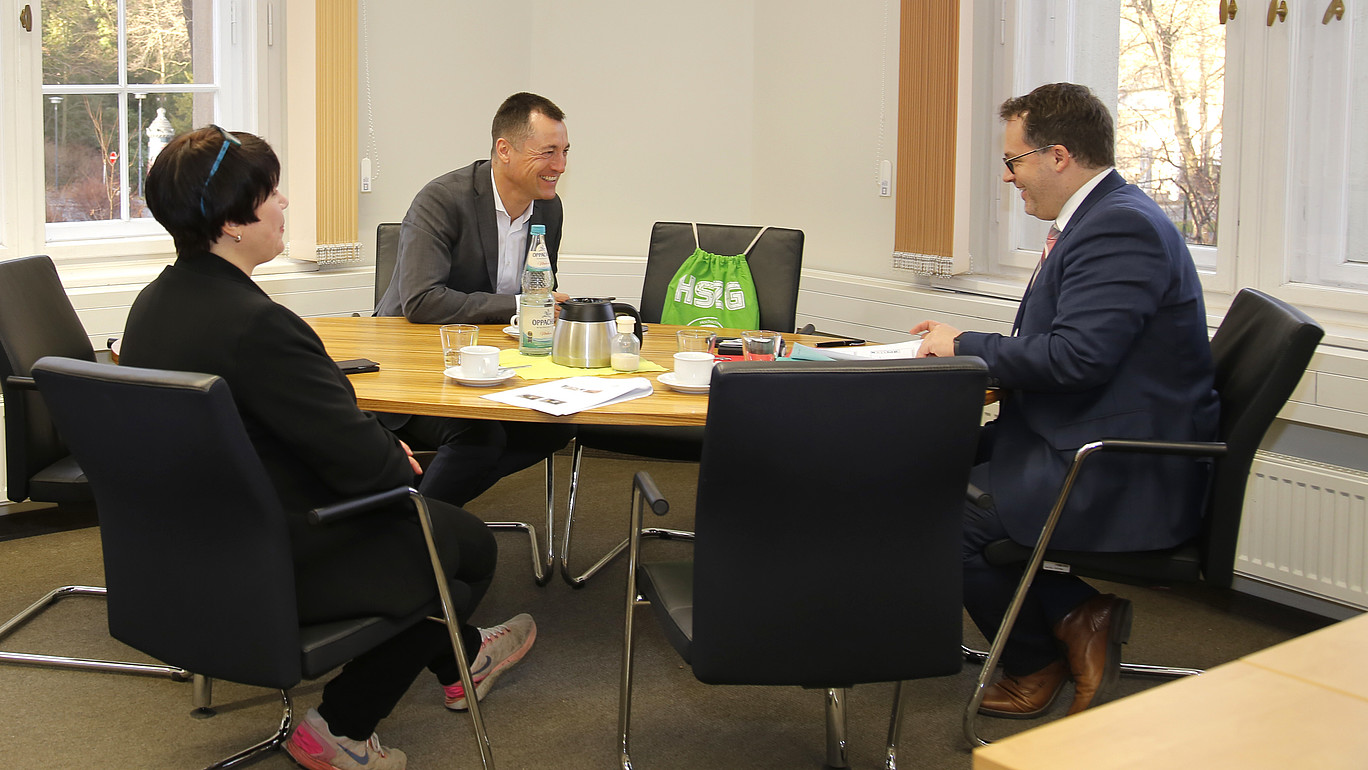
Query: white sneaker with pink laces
x,y
500,648
313,746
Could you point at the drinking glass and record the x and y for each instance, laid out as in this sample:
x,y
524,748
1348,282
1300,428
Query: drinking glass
x,y
455,337
696,340
762,345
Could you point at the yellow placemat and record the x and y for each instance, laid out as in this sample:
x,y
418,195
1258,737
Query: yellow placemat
x,y
543,368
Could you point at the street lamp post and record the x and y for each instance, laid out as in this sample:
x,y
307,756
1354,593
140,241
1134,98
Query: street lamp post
x,y
56,145
140,98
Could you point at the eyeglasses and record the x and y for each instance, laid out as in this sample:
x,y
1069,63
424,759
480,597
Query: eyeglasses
x,y
1009,161
228,141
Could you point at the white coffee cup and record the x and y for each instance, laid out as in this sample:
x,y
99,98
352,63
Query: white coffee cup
x,y
693,368
479,361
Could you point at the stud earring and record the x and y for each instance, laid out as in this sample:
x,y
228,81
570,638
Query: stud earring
x,y
237,239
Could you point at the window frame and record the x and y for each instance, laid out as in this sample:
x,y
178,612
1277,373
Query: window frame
x,y
243,66
1253,227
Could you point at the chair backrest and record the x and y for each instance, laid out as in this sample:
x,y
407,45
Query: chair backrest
x,y
196,553
1260,351
386,255
36,320
829,518
776,264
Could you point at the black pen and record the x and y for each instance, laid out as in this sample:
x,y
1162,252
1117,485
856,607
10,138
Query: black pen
x,y
838,343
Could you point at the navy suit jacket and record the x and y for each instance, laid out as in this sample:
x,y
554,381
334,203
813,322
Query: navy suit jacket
x,y
1111,342
448,264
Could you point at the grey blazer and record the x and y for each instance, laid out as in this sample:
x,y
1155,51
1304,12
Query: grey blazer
x,y
448,264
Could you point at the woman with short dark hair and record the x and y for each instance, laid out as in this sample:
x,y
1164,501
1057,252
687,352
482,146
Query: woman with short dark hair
x,y
216,193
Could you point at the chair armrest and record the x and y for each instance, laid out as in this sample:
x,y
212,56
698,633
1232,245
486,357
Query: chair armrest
x,y
348,508
646,486
21,383
1185,448
978,497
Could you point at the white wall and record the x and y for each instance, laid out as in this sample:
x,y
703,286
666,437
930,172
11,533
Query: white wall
x,y
757,111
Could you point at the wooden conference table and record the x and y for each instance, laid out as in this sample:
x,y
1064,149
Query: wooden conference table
x,y
1302,703
410,380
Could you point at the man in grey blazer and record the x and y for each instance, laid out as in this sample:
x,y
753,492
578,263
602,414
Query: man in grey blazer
x,y
462,246
1110,340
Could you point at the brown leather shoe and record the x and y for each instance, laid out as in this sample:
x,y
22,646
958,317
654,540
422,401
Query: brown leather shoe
x,y
1093,634
1024,697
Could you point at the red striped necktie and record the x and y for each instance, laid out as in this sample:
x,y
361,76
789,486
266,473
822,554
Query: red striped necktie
x,y
1050,239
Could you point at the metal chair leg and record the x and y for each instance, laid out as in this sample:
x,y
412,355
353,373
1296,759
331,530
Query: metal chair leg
x,y
628,639
837,755
281,734
566,572
203,697
450,620
542,564
84,664
895,727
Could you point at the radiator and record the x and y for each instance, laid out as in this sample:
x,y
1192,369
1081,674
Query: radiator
x,y
1305,528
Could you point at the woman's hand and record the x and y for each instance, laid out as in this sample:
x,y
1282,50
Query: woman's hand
x,y
417,469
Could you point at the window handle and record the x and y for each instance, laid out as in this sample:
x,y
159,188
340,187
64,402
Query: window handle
x,y
26,18
1336,9
1278,9
1228,10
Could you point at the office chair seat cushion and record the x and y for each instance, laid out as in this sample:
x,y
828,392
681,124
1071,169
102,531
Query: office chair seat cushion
x,y
61,482
325,646
668,586
1182,564
656,441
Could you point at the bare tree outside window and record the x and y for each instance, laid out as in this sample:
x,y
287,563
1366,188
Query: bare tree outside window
x,y
1171,86
87,154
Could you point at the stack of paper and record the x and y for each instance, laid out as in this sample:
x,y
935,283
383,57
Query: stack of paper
x,y
906,349
574,394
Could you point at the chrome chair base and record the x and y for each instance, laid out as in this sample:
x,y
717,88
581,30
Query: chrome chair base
x,y
542,564
567,573
972,655
83,664
275,741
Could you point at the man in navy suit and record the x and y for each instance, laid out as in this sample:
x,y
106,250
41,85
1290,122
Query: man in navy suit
x,y
1110,340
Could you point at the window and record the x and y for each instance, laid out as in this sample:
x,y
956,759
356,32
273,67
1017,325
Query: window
x,y
1242,131
112,81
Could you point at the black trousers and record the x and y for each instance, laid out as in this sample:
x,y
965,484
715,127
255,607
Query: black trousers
x,y
387,562
472,455
988,592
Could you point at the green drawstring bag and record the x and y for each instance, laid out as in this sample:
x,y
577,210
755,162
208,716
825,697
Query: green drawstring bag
x,y
713,290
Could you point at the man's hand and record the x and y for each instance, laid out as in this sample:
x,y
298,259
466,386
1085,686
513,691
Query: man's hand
x,y
938,339
417,469
559,297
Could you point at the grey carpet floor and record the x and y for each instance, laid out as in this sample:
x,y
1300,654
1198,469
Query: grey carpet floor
x,y
557,709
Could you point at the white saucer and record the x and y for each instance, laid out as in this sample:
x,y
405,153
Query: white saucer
x,y
511,331
503,376
669,379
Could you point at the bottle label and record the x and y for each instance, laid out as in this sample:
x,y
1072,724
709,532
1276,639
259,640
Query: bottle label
x,y
537,327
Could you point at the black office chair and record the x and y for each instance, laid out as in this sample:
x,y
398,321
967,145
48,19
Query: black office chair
x,y
775,262
1261,351
37,319
386,255
196,550
785,561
